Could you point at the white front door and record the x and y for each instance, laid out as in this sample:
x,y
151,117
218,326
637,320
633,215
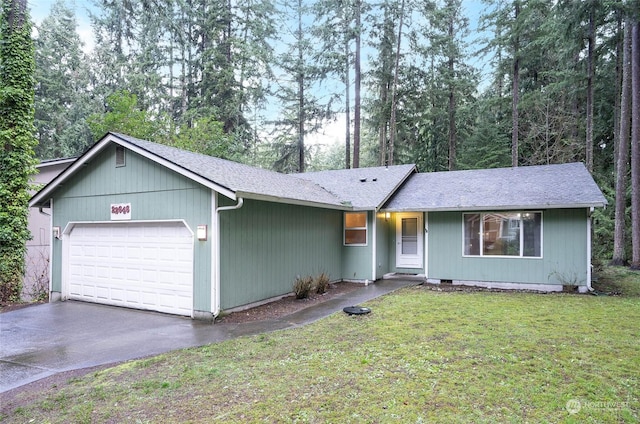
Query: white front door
x,y
409,240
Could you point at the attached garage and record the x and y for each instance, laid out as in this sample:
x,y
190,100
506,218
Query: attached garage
x,y
142,265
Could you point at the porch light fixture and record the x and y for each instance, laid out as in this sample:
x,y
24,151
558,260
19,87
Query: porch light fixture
x,y
202,232
387,215
56,233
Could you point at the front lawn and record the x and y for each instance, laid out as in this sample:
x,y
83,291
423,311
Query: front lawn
x,y
422,355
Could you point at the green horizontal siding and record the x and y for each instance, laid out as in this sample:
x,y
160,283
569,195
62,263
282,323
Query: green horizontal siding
x,y
564,252
155,193
265,245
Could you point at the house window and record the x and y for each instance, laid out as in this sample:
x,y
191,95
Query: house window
x,y
120,156
510,234
355,228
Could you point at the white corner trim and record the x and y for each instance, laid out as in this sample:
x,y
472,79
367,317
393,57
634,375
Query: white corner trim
x,y
589,288
215,256
51,241
374,245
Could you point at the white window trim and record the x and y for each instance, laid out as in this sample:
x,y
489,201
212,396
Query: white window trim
x,y
482,255
365,228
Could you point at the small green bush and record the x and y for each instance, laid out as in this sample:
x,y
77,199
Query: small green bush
x,y
302,286
321,283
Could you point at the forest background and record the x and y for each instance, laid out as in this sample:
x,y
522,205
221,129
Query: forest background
x,y
257,81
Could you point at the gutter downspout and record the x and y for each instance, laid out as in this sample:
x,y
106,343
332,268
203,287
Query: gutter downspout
x,y
589,288
374,245
216,306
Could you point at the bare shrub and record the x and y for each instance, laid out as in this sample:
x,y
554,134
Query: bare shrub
x,y
321,283
302,286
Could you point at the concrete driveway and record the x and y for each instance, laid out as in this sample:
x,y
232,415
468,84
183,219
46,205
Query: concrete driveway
x,y
43,340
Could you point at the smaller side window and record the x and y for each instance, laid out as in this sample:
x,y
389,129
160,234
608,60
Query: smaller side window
x,y
120,157
355,228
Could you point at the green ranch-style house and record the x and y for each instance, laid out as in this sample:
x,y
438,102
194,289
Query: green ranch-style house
x,y
147,226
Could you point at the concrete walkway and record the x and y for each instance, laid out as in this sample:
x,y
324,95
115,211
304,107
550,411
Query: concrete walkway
x,y
40,341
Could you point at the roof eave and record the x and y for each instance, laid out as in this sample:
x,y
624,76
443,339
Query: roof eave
x,y
474,208
290,201
54,162
42,197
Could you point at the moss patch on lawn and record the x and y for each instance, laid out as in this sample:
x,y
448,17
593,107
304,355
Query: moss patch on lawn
x,y
618,280
420,356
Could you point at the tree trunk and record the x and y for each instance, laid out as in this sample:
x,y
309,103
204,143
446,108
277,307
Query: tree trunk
x,y
357,76
347,108
394,91
301,114
635,146
590,60
452,103
616,106
514,92
622,158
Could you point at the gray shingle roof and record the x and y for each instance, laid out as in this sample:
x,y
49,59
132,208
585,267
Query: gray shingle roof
x,y
546,186
242,179
364,188
551,186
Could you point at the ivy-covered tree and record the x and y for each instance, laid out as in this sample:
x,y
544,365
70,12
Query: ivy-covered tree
x,y
17,142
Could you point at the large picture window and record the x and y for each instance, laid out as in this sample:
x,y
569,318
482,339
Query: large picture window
x,y
516,234
355,228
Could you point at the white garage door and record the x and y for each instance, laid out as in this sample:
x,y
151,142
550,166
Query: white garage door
x,y
136,265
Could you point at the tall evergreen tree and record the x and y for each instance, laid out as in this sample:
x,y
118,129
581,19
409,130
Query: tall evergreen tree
x,y
62,98
17,142
380,81
635,140
622,159
303,112
357,108
334,26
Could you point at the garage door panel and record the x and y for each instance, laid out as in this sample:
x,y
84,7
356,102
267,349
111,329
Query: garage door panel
x,y
138,265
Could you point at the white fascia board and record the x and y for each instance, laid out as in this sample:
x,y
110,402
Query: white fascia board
x,y
54,162
288,201
172,166
43,195
494,208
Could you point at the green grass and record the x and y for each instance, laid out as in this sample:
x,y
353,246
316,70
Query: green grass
x,y
420,356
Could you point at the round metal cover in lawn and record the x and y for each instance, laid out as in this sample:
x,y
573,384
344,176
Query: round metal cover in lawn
x,y
356,310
